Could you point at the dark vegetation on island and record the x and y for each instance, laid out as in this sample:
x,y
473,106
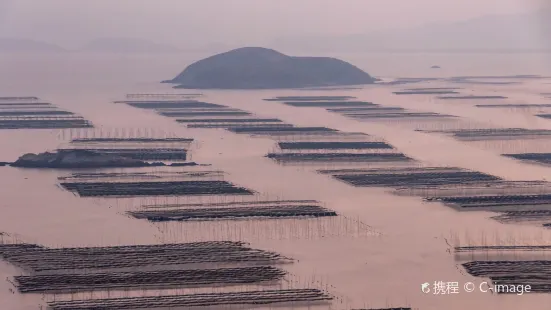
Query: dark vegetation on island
x,y
262,68
100,158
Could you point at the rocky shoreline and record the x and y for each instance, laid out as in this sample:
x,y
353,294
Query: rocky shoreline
x,y
70,159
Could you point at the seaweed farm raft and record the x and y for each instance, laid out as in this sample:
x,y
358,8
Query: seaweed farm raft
x,y
59,283
160,188
511,202
31,113
368,111
336,149
295,297
132,140
199,114
528,272
45,260
149,268
497,134
181,183
471,97
410,177
85,269
535,158
224,211
426,91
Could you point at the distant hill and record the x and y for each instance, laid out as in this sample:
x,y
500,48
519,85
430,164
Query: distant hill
x,y
262,68
11,45
127,45
488,33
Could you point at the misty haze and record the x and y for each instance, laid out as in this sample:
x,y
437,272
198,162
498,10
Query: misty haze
x,y
263,154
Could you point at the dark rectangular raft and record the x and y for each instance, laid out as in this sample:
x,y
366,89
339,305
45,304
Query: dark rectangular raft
x,y
527,105
206,113
322,104
375,109
19,98
63,283
38,123
228,126
494,201
168,188
34,258
515,248
310,98
471,97
198,214
26,104
542,158
398,115
282,130
520,216
428,178
143,154
336,145
161,104
132,140
229,120
536,273
33,113
338,157
426,92
22,108
207,300
497,133
432,88
384,309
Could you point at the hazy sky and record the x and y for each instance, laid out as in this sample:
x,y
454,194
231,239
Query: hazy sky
x,y
179,22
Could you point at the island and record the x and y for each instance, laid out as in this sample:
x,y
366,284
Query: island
x,y
71,159
15,46
263,68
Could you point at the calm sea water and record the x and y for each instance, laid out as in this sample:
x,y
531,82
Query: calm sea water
x,y
373,271
52,73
